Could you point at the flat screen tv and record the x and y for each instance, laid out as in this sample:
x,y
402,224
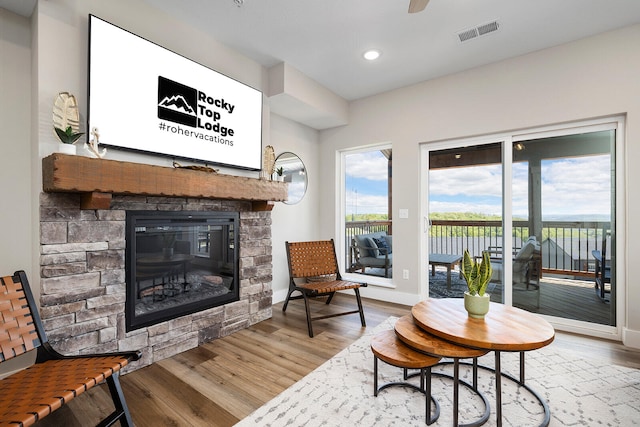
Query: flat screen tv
x,y
146,98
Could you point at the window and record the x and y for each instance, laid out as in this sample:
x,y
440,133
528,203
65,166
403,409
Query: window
x,y
367,227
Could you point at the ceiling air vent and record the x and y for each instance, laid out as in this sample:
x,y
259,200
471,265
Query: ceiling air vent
x,y
468,35
478,31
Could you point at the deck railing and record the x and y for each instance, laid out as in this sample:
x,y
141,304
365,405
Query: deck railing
x,y
353,228
566,246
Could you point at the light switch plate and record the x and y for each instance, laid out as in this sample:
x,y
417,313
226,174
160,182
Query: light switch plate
x,y
403,213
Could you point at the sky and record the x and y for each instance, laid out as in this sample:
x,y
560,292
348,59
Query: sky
x,y
576,187
366,183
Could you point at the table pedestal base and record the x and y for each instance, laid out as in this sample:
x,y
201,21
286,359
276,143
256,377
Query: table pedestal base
x,y
425,378
521,382
473,387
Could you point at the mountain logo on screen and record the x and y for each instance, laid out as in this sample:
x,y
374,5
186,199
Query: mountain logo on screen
x,y
177,102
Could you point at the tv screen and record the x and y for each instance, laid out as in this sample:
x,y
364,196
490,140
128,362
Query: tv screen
x,y
147,98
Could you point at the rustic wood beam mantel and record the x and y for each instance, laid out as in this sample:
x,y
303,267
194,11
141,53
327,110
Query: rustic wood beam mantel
x,y
98,179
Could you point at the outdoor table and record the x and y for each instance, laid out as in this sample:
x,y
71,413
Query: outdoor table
x,y
503,329
447,260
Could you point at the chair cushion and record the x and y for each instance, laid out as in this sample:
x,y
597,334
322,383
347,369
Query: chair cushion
x,y
373,248
383,246
366,240
380,261
526,252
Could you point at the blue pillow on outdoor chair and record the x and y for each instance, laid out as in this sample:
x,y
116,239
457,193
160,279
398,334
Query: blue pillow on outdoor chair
x,y
382,245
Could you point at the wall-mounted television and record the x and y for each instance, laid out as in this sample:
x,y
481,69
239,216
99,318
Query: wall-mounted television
x,y
146,98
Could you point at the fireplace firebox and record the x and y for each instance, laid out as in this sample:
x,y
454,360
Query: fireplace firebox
x,y
179,263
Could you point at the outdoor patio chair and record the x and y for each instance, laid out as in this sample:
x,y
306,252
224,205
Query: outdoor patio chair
x,y
526,265
313,272
372,250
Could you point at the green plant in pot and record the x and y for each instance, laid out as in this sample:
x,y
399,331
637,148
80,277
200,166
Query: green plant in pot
x,y
477,275
68,136
279,173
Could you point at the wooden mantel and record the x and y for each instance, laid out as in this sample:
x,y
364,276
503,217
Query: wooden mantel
x,y
98,179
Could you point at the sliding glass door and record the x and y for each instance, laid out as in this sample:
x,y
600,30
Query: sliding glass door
x,y
543,204
564,226
465,213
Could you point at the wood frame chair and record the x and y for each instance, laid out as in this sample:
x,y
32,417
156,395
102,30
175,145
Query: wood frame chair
x,y
35,392
317,259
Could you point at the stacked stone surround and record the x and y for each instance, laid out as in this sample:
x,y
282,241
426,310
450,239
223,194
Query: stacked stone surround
x,y
83,290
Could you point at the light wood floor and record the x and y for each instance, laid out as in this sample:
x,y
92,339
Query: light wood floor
x,y
221,382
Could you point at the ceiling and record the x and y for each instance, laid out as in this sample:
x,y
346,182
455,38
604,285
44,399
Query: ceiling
x,y
325,39
21,7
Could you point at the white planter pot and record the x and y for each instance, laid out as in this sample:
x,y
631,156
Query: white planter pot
x,y
477,306
66,148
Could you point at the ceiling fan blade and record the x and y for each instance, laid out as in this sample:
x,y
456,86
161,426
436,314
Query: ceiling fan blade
x,y
417,5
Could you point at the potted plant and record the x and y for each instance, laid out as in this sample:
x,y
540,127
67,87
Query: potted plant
x,y
279,173
68,138
66,122
477,275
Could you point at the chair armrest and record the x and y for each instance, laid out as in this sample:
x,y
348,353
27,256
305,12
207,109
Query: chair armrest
x,y
383,251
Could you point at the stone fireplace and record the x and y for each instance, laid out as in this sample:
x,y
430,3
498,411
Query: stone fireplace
x,y
84,274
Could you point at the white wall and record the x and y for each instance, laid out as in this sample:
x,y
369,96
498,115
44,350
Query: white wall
x,y
298,222
590,78
15,143
16,214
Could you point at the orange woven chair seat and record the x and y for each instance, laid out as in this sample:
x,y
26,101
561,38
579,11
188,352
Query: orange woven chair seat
x,y
326,287
37,391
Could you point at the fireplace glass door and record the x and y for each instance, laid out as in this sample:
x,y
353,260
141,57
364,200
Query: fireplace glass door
x,y
178,263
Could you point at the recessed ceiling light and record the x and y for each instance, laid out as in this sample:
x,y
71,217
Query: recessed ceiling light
x,y
371,54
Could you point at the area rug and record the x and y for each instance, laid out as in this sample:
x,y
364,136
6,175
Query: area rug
x,y
579,392
438,285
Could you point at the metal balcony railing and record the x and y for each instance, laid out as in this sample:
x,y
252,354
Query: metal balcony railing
x,y
566,246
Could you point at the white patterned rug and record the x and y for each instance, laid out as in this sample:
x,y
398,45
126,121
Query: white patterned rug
x,y
579,392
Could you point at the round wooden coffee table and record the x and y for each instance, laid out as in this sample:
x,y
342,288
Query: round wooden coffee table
x,y
411,335
503,329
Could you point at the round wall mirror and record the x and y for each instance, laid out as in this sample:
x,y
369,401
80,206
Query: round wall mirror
x,y
294,173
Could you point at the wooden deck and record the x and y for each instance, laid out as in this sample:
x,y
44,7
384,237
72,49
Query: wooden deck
x,y
566,298
569,299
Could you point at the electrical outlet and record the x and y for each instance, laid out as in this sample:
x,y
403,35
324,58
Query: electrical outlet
x,y
405,274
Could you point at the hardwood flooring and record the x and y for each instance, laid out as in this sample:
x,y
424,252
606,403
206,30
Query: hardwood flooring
x,y
223,381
